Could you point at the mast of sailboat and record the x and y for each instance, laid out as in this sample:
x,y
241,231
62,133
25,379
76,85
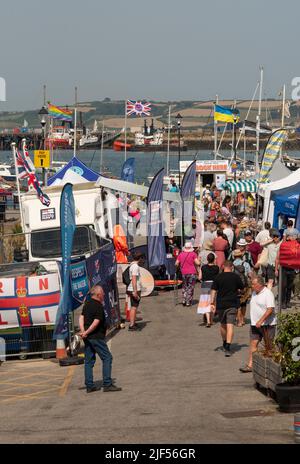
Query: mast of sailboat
x,y
125,134
168,149
75,122
233,135
13,145
101,153
283,106
244,132
216,129
258,120
282,116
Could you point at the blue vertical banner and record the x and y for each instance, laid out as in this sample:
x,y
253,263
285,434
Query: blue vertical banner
x,y
79,281
67,229
188,199
127,173
297,220
102,269
155,230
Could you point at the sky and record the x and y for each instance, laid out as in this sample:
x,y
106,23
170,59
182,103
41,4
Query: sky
x,y
149,49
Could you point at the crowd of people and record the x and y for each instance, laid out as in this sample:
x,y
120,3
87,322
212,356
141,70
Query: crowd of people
x,y
237,264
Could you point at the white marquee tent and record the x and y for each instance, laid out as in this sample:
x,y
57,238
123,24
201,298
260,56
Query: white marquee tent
x,y
265,191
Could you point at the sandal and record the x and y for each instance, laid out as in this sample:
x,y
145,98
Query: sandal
x,y
246,369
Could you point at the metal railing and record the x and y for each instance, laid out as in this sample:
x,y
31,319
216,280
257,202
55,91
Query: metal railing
x,y
38,339
22,342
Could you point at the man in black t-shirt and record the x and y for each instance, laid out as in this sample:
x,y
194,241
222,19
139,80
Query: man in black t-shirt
x,y
225,302
92,331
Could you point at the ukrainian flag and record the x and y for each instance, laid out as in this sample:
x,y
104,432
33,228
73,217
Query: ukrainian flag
x,y
226,114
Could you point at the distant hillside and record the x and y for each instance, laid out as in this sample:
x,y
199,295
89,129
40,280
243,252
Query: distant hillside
x,y
196,114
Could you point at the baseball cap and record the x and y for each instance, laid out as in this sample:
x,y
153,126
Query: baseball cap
x,y
248,232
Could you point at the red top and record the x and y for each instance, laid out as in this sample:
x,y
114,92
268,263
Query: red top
x,y
255,249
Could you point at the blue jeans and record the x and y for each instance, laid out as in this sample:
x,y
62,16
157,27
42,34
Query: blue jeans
x,y
91,348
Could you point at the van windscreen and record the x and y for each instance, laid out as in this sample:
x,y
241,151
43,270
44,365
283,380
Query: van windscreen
x,y
47,243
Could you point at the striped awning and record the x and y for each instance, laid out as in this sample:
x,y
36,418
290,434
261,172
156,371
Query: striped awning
x,y
241,185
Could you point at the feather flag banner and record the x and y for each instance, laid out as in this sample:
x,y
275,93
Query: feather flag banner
x,y
272,151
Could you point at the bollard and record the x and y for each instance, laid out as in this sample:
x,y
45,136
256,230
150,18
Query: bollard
x,y
297,428
127,308
60,349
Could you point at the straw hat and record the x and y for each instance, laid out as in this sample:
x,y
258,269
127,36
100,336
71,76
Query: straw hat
x,y
242,242
208,245
244,224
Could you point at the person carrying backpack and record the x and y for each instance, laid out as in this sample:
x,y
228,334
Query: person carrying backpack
x,y
243,270
132,279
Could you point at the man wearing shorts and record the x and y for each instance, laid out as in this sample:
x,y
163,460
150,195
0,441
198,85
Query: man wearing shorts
x,y
134,289
263,318
225,302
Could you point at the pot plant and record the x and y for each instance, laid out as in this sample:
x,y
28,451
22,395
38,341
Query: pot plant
x,y
288,356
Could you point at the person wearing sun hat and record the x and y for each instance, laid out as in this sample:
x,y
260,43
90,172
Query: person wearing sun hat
x,y
246,255
206,249
188,261
247,262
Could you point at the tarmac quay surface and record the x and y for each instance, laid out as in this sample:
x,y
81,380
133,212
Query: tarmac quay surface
x,y
177,388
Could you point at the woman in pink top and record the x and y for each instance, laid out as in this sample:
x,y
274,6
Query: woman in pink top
x,y
188,260
220,244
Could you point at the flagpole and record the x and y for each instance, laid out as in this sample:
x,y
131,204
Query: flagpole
x,y
244,152
248,112
125,148
283,106
75,130
101,153
216,130
18,185
258,120
168,151
282,116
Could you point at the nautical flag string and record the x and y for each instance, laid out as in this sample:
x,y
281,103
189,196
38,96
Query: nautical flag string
x,y
138,108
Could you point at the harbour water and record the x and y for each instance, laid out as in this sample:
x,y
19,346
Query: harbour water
x,y
146,164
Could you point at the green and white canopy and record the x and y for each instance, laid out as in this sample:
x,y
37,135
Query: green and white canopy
x,y
241,185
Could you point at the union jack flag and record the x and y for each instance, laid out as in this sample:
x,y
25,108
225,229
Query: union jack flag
x,y
33,182
138,108
26,170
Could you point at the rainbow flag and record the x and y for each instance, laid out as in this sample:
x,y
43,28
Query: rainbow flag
x,y
60,113
226,114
